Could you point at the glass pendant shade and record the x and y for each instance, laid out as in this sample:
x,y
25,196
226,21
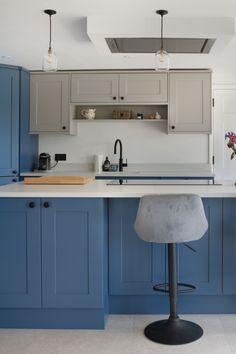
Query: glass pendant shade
x,y
162,60
50,61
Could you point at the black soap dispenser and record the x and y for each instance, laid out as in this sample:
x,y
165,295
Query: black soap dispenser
x,y
106,165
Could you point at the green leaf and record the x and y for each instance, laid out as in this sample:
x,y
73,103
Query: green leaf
x,y
232,155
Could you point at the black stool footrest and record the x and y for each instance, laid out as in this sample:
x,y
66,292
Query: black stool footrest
x,y
164,288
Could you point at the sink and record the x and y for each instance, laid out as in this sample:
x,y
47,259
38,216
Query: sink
x,y
153,182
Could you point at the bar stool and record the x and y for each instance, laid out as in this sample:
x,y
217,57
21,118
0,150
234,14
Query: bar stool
x,y
171,219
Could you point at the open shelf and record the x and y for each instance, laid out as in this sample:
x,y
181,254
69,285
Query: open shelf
x,y
122,120
108,113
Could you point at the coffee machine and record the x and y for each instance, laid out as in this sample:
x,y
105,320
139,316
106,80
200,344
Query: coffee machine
x,y
44,161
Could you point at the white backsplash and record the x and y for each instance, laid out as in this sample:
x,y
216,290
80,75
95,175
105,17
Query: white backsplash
x,y
143,142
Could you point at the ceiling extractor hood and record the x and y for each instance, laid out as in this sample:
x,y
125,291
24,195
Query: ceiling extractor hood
x,y
135,36
150,45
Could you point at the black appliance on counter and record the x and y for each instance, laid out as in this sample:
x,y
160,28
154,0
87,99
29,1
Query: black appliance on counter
x,y
44,161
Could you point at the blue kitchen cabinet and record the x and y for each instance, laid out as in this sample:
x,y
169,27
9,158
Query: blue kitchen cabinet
x,y
53,263
229,246
19,148
20,253
72,250
73,236
135,266
9,121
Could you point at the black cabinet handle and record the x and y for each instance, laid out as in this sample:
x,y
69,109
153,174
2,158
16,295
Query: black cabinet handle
x,y
14,171
64,127
114,98
122,98
14,180
31,205
172,127
46,205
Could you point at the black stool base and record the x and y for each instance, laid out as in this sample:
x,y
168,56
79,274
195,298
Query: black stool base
x,y
173,331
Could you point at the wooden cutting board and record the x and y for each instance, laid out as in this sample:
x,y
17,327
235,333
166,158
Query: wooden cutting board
x,y
59,180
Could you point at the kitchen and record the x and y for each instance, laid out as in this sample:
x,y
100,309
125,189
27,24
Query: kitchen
x,y
151,149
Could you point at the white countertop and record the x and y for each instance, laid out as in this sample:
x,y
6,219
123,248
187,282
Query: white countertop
x,y
133,170
100,189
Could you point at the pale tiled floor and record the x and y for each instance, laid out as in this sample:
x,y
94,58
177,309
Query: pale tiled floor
x,y
123,335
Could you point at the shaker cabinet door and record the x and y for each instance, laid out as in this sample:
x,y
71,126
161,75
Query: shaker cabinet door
x,y
190,102
20,253
94,88
9,122
202,268
229,246
134,265
143,88
72,252
49,103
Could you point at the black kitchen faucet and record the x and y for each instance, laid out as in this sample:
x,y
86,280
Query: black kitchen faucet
x,y
121,164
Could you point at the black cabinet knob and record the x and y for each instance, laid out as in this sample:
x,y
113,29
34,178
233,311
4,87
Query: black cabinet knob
x,y
14,180
46,205
64,127
114,98
14,171
31,205
122,98
172,127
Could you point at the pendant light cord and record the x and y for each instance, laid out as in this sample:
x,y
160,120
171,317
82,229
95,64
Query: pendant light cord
x,y
162,13
162,33
50,34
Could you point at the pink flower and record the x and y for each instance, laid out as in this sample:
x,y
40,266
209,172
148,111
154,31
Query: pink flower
x,y
232,140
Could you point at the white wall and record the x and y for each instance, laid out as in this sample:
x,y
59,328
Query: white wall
x,y
143,142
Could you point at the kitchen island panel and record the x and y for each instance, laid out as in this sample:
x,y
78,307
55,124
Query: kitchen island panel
x,y
74,291
229,246
202,266
134,265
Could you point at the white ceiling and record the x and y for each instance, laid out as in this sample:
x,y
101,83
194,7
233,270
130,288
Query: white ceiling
x,y
24,32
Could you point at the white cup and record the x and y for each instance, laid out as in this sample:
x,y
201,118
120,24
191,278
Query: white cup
x,y
98,161
88,113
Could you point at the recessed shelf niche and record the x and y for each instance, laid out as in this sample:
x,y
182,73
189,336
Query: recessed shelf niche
x,y
106,112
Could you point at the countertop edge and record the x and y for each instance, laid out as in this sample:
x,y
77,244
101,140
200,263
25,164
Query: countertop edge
x,y
99,189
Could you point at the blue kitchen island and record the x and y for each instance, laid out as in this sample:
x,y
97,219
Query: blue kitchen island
x,y
69,255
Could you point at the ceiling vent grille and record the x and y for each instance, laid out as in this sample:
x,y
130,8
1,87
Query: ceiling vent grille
x,y
151,45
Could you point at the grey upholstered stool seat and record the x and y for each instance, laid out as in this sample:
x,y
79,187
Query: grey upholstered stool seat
x,y
171,219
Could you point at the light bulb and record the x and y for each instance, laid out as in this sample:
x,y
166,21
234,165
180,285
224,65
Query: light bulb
x,y
162,60
49,57
50,61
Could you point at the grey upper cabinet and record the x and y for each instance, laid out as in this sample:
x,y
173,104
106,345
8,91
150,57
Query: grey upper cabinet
x,y
144,88
49,104
118,88
94,88
187,94
190,102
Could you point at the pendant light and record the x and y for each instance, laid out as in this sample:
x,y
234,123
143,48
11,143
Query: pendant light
x,y
162,60
50,59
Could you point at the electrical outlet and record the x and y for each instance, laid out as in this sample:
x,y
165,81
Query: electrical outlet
x,y
60,157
